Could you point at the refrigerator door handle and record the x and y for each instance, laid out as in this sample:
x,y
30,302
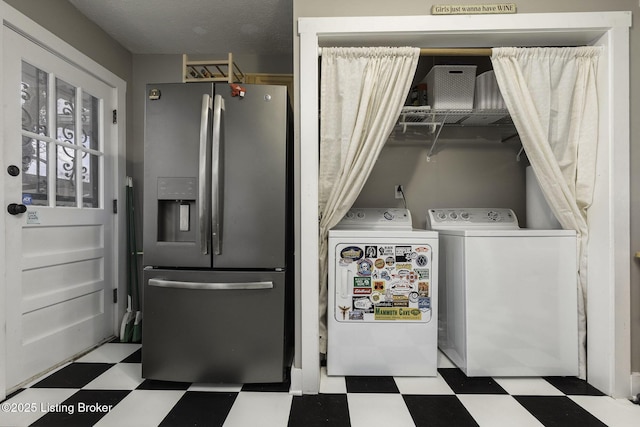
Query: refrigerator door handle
x,y
203,173
216,184
222,286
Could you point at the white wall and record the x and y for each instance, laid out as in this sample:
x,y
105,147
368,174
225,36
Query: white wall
x,y
471,172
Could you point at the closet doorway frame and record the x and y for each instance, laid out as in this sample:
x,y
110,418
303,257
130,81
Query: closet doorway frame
x,y
608,307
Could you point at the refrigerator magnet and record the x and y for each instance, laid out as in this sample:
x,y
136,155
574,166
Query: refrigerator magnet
x,y
353,253
364,267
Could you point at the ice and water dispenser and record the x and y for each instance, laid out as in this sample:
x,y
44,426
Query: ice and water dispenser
x,y
177,209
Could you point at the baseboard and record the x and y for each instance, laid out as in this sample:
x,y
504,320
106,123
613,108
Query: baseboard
x,y
635,384
296,382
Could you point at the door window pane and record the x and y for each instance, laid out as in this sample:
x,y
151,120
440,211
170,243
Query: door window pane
x,y
90,181
35,171
65,114
90,121
66,132
62,161
66,176
90,139
34,92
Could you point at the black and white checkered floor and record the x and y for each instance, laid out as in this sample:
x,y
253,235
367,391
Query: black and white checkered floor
x,y
104,388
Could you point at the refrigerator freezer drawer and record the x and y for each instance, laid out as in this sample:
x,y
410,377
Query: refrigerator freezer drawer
x,y
214,327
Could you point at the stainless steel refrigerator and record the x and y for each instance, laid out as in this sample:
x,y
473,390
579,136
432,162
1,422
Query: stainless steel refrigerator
x,y
217,234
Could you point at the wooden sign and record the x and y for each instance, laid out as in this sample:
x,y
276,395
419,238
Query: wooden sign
x,y
473,9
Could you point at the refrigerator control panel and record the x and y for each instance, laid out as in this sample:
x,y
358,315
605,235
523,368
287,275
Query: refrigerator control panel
x,y
177,188
385,282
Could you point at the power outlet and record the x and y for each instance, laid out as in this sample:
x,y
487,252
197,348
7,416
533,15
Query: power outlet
x,y
399,191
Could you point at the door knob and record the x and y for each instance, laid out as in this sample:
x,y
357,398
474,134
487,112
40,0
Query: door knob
x,y
15,209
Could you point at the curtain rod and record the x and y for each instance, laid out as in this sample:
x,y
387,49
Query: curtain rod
x,y
458,51
448,51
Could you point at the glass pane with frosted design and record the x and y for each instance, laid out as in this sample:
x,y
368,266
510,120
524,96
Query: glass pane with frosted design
x,y
66,176
90,181
90,121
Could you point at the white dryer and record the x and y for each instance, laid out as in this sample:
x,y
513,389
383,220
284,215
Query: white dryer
x,y
508,296
382,299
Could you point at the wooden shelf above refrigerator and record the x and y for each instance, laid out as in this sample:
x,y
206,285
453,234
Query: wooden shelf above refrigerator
x,y
211,70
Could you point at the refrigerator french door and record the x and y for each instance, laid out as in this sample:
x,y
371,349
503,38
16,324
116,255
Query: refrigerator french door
x,y
217,234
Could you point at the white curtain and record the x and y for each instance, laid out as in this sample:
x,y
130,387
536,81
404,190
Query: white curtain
x,y
552,98
361,94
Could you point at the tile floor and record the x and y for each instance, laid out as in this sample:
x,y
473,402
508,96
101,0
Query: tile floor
x,y
104,388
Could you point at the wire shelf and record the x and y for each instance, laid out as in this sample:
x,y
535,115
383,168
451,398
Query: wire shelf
x,y
436,119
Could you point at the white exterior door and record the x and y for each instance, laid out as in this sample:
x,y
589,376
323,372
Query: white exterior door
x,y
58,160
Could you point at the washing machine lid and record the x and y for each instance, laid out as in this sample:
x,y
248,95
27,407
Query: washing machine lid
x,y
376,219
472,219
519,233
382,236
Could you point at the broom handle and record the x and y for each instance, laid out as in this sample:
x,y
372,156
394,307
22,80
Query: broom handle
x,y
134,249
129,263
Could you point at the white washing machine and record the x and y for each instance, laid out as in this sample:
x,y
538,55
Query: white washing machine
x,y
382,301
508,296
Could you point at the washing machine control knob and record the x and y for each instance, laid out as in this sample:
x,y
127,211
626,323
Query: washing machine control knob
x,y
360,214
442,215
388,215
464,215
453,215
350,215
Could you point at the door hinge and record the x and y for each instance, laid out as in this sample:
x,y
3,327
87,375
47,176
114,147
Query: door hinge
x,y
115,296
115,117
115,206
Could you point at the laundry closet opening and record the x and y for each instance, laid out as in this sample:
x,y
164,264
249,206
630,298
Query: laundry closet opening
x,y
608,249
460,165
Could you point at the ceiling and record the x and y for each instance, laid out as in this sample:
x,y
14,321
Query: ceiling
x,y
263,27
